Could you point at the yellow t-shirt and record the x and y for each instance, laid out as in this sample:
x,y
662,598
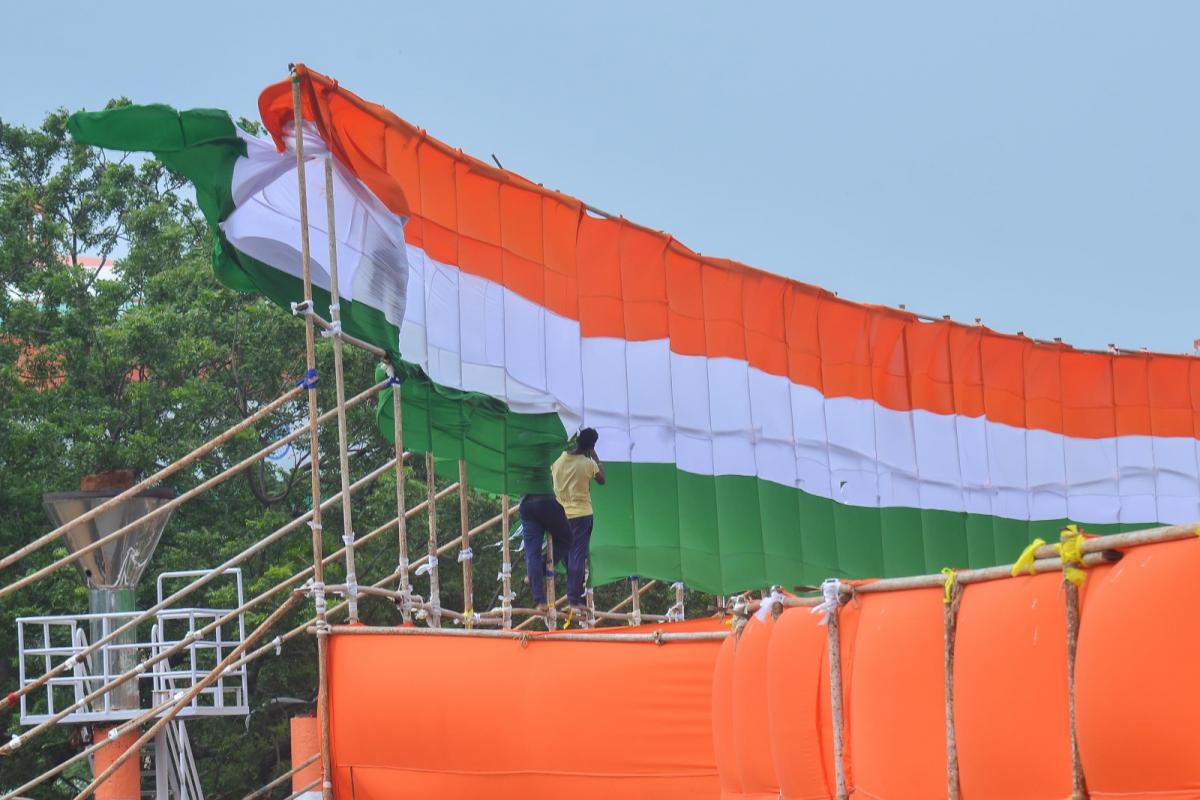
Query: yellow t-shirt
x,y
572,476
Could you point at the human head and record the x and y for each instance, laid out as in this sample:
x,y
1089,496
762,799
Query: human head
x,y
587,439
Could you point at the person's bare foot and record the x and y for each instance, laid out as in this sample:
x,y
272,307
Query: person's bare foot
x,y
579,612
542,608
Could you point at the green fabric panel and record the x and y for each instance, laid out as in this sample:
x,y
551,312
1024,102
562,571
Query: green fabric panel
x,y
945,538
904,541
818,538
783,547
655,519
700,547
859,540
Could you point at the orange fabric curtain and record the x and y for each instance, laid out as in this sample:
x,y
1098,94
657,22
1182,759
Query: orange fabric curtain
x,y
424,716
1137,699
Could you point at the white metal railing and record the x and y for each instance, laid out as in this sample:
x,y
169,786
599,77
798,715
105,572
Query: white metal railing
x,y
45,642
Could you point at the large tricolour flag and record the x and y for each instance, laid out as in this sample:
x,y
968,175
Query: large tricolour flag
x,y
755,429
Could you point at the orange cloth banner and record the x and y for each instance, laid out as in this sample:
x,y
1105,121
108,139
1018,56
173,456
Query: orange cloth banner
x,y
1137,699
428,716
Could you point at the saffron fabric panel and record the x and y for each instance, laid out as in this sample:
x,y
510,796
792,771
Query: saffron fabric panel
x,y
548,719
1135,697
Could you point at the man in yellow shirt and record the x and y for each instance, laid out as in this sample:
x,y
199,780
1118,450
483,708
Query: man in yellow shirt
x,y
573,473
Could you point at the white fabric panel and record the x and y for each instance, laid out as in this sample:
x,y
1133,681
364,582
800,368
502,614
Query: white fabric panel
x,y
710,416
371,252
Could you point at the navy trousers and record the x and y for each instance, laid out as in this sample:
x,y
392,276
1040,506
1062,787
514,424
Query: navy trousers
x,y
541,513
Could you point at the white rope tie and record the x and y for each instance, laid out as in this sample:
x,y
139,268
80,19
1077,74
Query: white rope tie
x,y
301,308
831,590
334,308
505,571
352,585
348,539
768,603
14,742
465,555
428,566
402,565
318,594
316,526
70,663
278,642
335,329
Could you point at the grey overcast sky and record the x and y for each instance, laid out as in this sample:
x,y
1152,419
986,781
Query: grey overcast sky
x,y
1031,162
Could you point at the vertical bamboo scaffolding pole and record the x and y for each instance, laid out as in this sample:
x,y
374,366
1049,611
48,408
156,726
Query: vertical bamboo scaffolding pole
x,y
405,587
335,317
636,600
551,600
949,631
1078,780
318,585
506,565
464,552
834,645
435,592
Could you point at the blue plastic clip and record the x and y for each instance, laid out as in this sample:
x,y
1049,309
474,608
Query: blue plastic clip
x,y
309,381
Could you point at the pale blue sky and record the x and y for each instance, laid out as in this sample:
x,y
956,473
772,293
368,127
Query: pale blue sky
x,y
1033,163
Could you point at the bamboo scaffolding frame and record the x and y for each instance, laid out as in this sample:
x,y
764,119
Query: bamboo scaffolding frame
x,y
41,727
318,585
203,580
339,378
181,702
170,505
635,599
304,307
146,483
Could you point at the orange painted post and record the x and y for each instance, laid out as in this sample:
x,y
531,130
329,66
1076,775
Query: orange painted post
x,y
126,782
306,742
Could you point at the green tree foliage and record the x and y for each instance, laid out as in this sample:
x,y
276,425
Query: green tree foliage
x,y
135,366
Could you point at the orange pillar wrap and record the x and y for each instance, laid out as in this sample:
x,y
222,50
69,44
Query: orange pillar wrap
x,y
1137,696
897,718
1010,690
421,716
126,782
724,744
801,743
751,731
306,742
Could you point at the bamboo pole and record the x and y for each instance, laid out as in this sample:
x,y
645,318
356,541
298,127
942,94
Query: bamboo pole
x,y
182,702
199,582
303,790
266,789
435,594
146,483
657,637
506,596
310,355
170,505
551,600
464,553
339,379
1078,779
649,585
401,516
635,598
834,646
953,599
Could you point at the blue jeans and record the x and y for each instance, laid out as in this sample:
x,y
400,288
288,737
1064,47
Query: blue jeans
x,y
581,537
541,513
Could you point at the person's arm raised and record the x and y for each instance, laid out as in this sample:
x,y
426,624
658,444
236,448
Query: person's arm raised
x,y
599,467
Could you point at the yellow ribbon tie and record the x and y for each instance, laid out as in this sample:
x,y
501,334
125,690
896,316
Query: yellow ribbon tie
x,y
567,622
1070,550
1025,562
951,576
